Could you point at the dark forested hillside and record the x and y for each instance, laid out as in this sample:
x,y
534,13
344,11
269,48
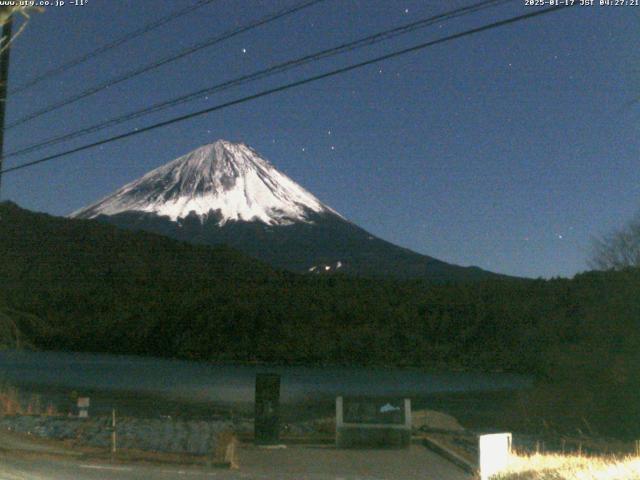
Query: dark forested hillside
x,y
86,286
99,288
299,247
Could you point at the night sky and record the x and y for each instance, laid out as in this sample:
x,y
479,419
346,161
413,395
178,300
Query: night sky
x,y
508,150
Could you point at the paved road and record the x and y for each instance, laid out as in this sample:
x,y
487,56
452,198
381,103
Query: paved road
x,y
292,463
12,442
12,468
327,462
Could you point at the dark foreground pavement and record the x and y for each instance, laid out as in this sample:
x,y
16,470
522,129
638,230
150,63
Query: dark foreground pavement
x,y
291,463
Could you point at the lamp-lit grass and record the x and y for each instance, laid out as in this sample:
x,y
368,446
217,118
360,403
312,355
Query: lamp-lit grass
x,y
571,467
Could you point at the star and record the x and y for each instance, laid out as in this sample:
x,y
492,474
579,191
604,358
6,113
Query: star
x,y
406,10
304,149
244,50
328,132
333,147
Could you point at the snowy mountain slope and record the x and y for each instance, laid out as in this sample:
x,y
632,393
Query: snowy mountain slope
x,y
225,193
230,181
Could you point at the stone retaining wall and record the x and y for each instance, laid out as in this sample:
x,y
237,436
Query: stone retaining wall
x,y
161,435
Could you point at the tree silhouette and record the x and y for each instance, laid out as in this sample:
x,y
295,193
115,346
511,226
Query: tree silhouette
x,y
619,249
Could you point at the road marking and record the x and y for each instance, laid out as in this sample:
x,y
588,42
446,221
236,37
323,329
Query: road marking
x,y
106,467
4,475
129,469
189,472
12,476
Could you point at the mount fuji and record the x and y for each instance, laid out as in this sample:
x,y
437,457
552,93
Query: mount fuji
x,y
226,193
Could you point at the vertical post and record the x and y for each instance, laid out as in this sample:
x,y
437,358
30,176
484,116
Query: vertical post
x,y
113,431
407,413
267,409
339,420
494,451
4,78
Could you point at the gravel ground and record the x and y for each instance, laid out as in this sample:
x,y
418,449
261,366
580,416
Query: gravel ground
x,y
161,435
164,434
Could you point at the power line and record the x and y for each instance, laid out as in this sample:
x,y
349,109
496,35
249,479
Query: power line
x,y
163,61
279,68
295,84
110,46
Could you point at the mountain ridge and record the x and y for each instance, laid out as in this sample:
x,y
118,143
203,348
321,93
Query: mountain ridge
x,y
229,179
226,193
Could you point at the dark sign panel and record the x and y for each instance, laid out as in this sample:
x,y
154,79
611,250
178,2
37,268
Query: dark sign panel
x,y
267,414
385,411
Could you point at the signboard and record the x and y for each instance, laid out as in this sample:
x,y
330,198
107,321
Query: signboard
x,y
373,410
267,409
83,407
373,422
494,451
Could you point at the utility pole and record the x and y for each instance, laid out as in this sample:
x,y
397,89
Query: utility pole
x,y
4,77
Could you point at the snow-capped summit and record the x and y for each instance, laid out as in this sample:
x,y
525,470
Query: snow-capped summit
x,y
227,194
227,180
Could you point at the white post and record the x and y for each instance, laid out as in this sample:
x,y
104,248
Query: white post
x,y
493,451
407,413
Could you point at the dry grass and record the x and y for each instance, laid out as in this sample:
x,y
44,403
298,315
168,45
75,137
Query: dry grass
x,y
571,467
12,403
432,420
225,451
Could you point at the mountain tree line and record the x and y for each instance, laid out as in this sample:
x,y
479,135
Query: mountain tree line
x,y
96,288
